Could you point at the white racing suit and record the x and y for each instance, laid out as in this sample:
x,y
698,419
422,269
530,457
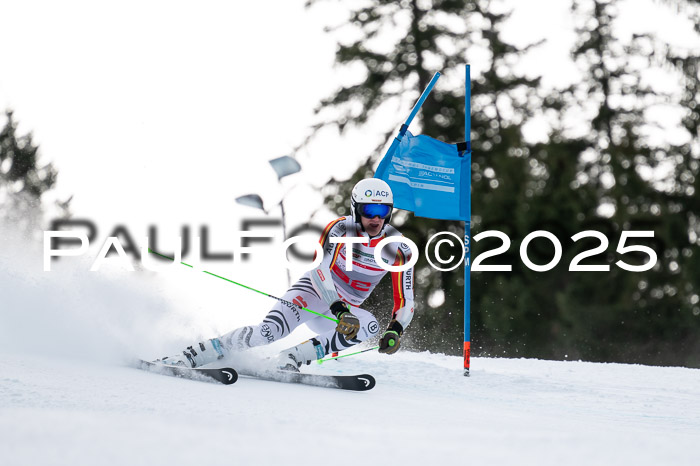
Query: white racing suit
x,y
353,288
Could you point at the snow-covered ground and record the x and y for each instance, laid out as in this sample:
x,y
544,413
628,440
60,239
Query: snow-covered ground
x,y
422,411
67,397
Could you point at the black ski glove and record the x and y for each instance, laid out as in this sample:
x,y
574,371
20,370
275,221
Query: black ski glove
x,y
348,324
389,343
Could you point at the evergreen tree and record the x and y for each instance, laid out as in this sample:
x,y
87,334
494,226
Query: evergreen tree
x,y
22,180
622,315
683,200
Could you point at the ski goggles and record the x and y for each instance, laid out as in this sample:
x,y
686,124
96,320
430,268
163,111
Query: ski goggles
x,y
375,210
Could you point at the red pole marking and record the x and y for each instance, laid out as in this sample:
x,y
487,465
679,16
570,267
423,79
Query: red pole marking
x,y
467,345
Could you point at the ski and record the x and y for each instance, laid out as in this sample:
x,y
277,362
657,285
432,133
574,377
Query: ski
x,y
358,383
224,375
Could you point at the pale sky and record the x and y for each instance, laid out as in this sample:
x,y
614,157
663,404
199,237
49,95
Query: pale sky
x,y
162,112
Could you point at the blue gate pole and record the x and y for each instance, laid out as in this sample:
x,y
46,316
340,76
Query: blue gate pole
x,y
467,227
416,107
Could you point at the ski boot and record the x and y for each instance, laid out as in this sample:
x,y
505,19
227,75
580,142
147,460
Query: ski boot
x,y
293,358
202,353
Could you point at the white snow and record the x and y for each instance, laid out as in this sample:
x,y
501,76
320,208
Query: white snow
x,y
67,412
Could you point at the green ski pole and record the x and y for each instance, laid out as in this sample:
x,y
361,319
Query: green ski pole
x,y
321,361
283,301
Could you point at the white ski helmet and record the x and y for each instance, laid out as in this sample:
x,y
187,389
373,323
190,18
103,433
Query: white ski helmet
x,y
371,192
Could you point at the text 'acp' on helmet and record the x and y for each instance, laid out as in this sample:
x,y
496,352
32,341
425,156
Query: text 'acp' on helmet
x,y
370,191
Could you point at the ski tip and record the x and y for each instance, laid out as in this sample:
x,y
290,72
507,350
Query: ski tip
x,y
368,382
142,364
228,376
224,375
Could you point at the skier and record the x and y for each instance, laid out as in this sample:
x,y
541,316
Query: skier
x,y
339,296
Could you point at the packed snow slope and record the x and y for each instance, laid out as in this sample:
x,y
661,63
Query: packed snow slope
x,y
422,411
68,396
